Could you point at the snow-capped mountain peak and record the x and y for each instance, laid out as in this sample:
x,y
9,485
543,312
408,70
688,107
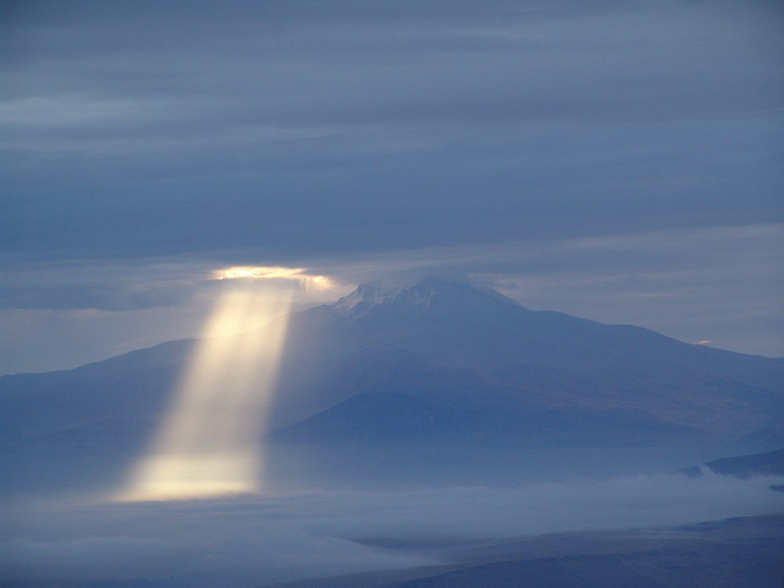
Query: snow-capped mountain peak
x,y
421,295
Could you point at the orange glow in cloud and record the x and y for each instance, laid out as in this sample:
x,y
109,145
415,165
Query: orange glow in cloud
x,y
259,272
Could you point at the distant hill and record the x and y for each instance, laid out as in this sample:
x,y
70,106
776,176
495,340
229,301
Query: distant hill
x,y
744,466
436,362
741,553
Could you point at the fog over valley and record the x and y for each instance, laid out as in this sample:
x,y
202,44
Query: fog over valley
x,y
269,539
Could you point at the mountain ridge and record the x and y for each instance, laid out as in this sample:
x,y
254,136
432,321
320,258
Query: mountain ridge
x,y
384,294
436,362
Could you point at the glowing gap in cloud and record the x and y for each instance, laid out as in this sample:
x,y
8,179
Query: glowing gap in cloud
x,y
704,342
208,444
260,272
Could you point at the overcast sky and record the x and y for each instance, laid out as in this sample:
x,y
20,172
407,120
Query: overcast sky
x,y
621,161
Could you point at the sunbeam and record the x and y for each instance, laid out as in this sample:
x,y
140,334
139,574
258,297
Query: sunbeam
x,y
209,443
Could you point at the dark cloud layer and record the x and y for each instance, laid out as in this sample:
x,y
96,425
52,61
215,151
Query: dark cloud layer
x,y
289,129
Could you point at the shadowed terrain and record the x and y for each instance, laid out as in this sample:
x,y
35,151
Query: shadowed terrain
x,y
436,373
736,553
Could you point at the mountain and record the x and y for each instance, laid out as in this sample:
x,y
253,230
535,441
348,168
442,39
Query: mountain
x,y
770,463
435,364
480,364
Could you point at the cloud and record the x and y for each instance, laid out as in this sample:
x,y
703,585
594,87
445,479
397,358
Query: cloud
x,y
275,130
93,310
271,539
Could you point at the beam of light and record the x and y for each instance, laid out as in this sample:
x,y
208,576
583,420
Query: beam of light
x,y
209,443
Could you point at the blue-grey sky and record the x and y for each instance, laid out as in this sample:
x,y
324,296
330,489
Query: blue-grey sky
x,y
617,160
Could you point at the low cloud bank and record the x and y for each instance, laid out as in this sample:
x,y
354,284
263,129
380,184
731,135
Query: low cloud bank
x,y
256,540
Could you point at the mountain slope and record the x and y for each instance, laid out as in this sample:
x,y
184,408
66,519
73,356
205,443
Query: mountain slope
x,y
436,362
461,342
